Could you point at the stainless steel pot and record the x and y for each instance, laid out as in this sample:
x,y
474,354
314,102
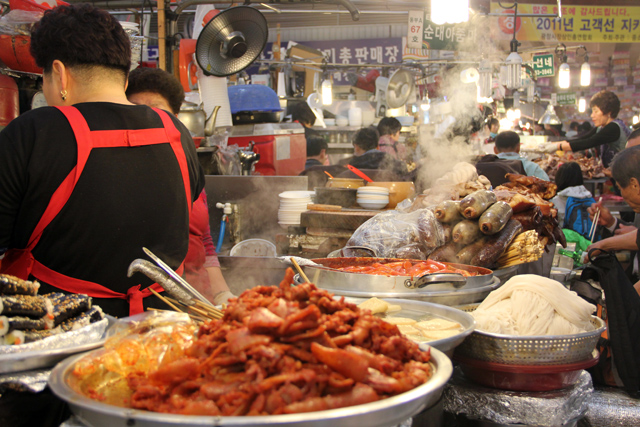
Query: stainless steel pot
x,y
326,276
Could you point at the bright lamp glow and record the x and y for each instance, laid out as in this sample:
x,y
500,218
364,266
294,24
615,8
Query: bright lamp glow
x,y
327,92
585,74
564,76
582,104
449,11
506,124
517,113
511,115
514,71
484,79
635,120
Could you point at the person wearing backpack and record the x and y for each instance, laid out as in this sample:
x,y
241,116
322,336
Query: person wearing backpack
x,y
573,200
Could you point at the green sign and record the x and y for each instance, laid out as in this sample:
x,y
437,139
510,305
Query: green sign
x,y
543,66
424,34
568,98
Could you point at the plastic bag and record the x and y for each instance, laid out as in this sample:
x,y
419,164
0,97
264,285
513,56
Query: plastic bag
x,y
134,345
19,22
395,234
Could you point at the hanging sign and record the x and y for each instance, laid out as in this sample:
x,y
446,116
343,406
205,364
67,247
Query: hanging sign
x,y
594,24
568,98
424,34
543,66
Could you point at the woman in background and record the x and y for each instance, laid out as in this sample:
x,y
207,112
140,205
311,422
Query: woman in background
x,y
607,135
157,88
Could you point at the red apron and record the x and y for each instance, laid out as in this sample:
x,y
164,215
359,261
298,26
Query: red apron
x,y
21,263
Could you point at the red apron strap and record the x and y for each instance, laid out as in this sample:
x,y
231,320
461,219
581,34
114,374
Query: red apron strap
x,y
174,136
134,295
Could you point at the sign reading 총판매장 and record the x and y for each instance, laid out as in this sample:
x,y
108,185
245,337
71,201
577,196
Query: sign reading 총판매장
x,y
424,34
543,66
567,98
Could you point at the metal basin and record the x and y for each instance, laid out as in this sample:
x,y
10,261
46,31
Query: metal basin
x,y
419,309
327,277
451,298
383,413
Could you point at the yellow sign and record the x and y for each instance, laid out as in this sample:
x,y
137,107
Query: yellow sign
x,y
589,24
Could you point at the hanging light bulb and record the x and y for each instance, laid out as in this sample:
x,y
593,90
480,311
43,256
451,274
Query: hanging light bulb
x,y
585,73
327,91
484,80
514,71
564,76
451,11
582,104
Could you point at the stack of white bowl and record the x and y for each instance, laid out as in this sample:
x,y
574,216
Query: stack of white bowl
x,y
292,204
370,197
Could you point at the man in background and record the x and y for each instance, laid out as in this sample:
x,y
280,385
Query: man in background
x,y
389,130
508,148
316,151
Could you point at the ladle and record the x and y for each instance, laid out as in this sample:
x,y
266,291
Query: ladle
x,y
359,173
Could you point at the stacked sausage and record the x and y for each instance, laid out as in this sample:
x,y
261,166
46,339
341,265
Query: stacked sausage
x,y
477,229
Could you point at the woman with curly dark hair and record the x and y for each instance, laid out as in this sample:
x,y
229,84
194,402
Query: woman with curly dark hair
x,y
92,179
607,135
157,88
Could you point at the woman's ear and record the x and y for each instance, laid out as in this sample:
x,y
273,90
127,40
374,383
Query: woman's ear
x,y
60,75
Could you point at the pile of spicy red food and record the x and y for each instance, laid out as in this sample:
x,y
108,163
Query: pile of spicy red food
x,y
405,268
281,350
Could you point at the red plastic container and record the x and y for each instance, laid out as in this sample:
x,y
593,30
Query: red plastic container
x,y
523,377
14,52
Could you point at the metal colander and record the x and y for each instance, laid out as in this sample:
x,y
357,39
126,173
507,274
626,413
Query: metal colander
x,y
531,350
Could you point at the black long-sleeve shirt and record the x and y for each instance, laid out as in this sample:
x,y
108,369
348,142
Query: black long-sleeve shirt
x,y
607,135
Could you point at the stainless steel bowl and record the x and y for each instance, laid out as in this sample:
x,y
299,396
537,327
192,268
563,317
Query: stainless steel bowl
x,y
383,413
421,308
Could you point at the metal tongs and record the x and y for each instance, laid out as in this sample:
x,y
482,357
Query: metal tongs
x,y
166,277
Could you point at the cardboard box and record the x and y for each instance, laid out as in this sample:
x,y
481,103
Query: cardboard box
x,y
310,63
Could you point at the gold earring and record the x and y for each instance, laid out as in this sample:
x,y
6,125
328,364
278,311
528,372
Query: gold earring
x,y
63,94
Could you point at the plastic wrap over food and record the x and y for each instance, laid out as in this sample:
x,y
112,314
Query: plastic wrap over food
x,y
85,335
134,345
549,408
395,234
28,381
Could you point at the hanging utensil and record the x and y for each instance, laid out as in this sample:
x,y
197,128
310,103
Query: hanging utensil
x,y
359,173
179,280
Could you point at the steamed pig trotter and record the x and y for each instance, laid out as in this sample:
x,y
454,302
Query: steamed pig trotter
x,y
495,245
465,232
465,255
447,229
495,218
448,211
477,202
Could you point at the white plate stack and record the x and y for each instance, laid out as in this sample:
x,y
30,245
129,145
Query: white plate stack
x,y
292,204
370,197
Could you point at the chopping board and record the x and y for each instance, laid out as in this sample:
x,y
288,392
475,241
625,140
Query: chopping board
x,y
345,219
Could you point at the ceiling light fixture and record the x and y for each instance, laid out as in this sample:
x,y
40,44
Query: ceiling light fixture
x,y
449,11
564,71
514,61
585,69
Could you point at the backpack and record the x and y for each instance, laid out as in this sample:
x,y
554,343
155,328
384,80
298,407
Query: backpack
x,y
618,304
576,217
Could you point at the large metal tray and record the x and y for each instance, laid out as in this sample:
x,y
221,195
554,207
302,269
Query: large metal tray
x,y
81,340
383,413
451,297
327,277
415,309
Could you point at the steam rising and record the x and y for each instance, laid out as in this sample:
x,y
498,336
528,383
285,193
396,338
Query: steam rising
x,y
457,116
